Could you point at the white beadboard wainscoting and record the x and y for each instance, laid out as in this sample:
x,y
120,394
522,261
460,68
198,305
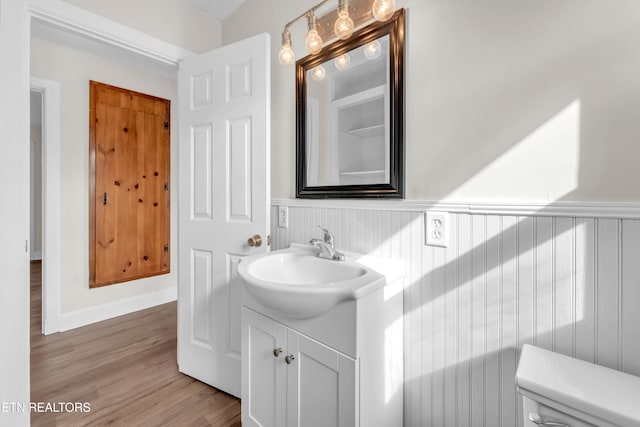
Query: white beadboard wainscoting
x,y
563,278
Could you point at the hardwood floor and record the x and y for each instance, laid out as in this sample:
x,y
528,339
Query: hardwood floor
x,y
125,368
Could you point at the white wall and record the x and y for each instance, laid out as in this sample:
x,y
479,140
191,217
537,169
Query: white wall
x,y
505,99
14,210
73,69
174,21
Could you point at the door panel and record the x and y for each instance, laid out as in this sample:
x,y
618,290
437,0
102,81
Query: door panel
x,y
201,290
239,165
224,198
264,372
321,385
201,161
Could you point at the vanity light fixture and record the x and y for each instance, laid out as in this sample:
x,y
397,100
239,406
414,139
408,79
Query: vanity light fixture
x,y
344,24
286,55
382,10
313,42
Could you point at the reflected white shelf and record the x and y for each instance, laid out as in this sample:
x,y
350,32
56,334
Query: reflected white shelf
x,y
360,97
363,173
367,132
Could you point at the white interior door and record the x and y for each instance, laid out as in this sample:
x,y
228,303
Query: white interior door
x,y
224,104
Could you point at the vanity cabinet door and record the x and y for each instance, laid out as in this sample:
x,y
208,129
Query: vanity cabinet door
x,y
321,385
264,371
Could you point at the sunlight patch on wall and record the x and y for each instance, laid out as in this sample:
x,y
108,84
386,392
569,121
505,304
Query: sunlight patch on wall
x,y
393,372
544,163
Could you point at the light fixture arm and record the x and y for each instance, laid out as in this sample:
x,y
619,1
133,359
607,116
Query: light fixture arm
x,y
286,37
312,21
311,11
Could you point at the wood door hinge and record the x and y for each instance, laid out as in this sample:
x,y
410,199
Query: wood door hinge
x,y
104,200
166,186
166,248
166,125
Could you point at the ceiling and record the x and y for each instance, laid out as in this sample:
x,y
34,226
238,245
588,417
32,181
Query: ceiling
x,y
219,9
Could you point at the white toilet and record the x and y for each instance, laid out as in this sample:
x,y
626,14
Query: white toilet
x,y
558,391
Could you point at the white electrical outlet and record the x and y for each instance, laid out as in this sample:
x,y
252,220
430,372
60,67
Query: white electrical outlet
x,y
437,228
283,216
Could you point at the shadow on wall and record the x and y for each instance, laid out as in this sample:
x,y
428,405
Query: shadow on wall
x,y
447,396
505,281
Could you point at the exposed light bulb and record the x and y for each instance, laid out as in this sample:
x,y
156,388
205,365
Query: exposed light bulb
x,y
342,61
313,42
383,9
344,25
318,73
286,55
372,50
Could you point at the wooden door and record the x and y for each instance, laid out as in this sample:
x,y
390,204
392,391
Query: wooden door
x,y
129,182
224,106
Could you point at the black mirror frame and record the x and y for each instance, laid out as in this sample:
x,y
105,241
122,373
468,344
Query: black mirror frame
x,y
395,28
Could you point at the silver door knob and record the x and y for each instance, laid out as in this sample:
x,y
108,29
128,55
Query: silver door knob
x,y
255,241
289,358
277,351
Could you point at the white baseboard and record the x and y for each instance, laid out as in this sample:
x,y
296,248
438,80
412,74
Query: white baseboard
x,y
87,316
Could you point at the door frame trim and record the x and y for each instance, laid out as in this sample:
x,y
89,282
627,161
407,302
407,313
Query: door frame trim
x,y
80,22
50,91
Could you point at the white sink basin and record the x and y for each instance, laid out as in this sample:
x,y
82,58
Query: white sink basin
x,y
295,283
301,269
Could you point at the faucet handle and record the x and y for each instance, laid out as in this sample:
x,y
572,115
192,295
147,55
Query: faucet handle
x,y
327,236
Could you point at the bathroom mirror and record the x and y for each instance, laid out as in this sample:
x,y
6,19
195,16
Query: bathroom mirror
x,y
349,116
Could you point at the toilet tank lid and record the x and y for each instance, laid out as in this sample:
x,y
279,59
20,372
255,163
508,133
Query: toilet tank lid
x,y
592,389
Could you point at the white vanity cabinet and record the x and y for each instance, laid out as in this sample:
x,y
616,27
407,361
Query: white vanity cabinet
x,y
293,380
343,367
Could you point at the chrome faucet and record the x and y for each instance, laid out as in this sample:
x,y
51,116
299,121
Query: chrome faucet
x,y
326,247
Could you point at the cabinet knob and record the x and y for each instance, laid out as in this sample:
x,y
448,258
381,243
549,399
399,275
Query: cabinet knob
x,y
289,358
277,351
255,241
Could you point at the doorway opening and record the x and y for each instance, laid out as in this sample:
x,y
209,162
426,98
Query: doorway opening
x,y
35,215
